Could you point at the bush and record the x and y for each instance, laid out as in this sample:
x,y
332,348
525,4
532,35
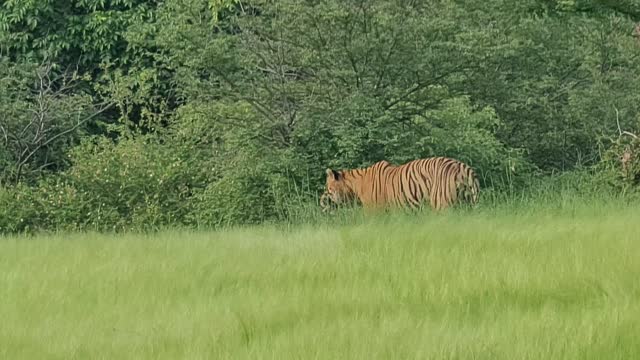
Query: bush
x,y
50,205
251,190
137,183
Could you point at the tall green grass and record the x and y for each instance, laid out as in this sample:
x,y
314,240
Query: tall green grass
x,y
551,281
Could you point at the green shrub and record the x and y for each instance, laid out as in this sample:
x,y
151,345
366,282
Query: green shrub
x,y
51,204
250,191
137,183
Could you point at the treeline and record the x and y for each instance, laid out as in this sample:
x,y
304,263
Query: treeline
x,y
121,114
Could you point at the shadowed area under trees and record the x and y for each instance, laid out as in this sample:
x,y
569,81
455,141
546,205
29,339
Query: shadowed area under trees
x,y
128,114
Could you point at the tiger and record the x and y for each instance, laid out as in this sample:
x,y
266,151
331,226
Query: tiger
x,y
441,181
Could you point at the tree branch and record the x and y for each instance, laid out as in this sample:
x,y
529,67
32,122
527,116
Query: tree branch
x,y
63,133
620,131
419,86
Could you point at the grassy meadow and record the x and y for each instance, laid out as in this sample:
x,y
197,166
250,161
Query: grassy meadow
x,y
554,282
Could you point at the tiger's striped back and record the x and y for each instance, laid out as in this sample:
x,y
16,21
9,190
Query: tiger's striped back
x,y
440,181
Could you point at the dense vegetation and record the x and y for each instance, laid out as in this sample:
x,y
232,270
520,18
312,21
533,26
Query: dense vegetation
x,y
122,114
556,281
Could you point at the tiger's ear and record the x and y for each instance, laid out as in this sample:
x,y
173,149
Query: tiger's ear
x,y
332,174
329,173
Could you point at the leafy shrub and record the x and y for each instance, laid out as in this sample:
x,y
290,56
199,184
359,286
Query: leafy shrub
x,y
245,197
251,189
43,114
49,205
133,183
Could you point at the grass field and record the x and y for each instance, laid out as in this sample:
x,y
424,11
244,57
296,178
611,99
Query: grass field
x,y
561,283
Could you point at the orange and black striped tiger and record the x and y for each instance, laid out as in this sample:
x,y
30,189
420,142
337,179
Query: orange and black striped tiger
x,y
440,181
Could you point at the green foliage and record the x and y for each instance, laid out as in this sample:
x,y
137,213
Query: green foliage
x,y
42,118
133,183
51,205
339,98
247,195
239,106
555,78
83,32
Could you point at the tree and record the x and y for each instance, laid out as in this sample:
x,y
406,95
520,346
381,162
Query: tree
x,y
328,84
43,115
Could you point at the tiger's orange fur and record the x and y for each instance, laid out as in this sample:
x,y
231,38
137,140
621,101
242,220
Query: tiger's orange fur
x,y
440,181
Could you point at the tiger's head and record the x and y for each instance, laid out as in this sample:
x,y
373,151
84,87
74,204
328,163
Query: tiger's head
x,y
338,190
